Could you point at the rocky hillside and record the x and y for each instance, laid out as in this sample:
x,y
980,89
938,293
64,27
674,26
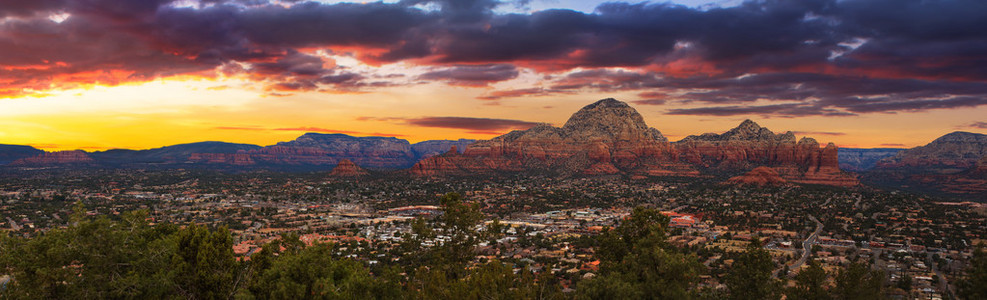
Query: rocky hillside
x,y
955,151
953,164
610,137
77,157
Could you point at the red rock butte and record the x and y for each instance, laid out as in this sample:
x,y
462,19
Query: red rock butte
x,y
759,176
347,168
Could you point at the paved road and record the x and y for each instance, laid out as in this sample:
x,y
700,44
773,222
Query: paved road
x,y
809,241
807,245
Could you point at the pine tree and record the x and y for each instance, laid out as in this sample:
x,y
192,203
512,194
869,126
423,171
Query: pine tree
x,y
810,284
750,276
974,284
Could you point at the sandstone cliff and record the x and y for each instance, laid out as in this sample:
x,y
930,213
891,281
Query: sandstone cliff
x,y
749,146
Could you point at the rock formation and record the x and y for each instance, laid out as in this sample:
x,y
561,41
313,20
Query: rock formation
x,y
749,146
606,137
347,168
610,137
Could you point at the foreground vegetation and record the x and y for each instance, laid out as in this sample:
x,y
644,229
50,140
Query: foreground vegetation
x,y
99,258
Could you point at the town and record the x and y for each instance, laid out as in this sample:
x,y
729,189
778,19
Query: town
x,y
546,224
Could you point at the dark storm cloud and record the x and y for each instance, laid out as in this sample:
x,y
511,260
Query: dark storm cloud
x,y
293,64
832,57
869,106
476,124
981,125
315,24
473,75
781,110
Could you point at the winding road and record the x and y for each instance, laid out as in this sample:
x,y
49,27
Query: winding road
x,y
807,245
809,241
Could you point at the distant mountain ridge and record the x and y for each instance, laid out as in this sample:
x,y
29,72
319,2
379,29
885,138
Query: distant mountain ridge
x,y
311,151
10,153
863,159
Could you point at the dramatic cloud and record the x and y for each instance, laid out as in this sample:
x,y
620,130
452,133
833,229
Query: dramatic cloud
x,y
473,124
473,75
783,110
816,57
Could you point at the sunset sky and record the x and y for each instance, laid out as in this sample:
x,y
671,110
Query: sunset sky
x,y
100,74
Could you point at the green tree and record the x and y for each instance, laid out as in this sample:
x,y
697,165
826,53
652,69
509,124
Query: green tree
x,y
858,281
750,276
492,280
974,284
636,262
458,226
810,284
312,273
92,258
904,283
204,265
